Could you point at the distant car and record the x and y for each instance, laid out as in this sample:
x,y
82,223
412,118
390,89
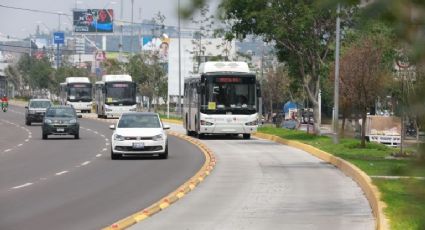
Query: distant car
x,y
61,120
35,110
139,134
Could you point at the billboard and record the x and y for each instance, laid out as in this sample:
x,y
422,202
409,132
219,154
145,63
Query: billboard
x,y
94,21
157,45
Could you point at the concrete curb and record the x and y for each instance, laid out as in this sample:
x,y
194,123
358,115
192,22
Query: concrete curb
x,y
362,179
165,202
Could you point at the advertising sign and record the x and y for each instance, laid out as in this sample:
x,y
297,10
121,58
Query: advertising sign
x,y
158,45
94,21
59,38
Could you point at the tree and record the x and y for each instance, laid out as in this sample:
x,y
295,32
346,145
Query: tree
x,y
302,32
277,87
363,78
205,24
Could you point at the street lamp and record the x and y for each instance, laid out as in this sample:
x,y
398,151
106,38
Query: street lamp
x,y
131,40
336,90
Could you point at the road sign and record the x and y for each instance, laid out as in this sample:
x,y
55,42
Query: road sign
x,y
59,37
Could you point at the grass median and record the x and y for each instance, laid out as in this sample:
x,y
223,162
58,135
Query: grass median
x,y
394,176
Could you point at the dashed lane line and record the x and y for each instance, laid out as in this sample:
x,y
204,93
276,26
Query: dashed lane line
x,y
22,186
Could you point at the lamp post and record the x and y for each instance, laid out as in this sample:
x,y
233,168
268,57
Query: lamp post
x,y
131,40
336,90
180,72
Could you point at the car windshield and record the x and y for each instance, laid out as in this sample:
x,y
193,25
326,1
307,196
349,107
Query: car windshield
x,y
60,112
139,121
40,104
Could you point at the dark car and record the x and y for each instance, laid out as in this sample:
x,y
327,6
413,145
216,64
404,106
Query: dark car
x,y
61,120
35,110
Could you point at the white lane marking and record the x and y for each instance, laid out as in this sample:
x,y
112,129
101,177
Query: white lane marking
x,y
26,140
29,136
104,149
7,150
107,143
85,163
20,145
98,155
102,135
21,186
96,132
61,173
88,129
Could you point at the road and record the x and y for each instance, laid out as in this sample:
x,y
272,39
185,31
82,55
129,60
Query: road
x,y
63,183
258,184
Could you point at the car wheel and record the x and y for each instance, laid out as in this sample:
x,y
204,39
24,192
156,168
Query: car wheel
x,y
44,136
115,156
201,136
77,135
27,122
246,136
165,154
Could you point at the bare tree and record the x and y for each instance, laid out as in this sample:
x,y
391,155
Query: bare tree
x,y
362,78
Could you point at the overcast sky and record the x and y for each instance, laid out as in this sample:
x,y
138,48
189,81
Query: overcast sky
x,y
19,23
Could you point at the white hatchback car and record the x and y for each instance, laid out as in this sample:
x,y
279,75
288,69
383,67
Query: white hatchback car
x,y
139,134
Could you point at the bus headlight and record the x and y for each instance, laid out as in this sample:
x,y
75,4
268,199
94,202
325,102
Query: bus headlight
x,y
252,123
107,109
206,123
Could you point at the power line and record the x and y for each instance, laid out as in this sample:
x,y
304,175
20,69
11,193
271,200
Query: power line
x,y
70,16
34,10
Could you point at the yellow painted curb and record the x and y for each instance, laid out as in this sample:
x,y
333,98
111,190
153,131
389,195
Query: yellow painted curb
x,y
172,121
361,178
174,196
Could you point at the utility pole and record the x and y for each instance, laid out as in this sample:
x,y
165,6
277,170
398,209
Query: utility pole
x,y
121,27
336,90
132,20
180,72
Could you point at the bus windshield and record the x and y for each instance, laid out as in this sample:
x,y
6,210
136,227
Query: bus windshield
x,y
120,93
80,92
230,93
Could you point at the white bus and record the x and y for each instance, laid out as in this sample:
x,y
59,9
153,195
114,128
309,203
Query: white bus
x,y
221,99
114,95
77,92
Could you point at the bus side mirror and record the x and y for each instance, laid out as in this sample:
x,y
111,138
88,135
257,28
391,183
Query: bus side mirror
x,y
258,88
200,88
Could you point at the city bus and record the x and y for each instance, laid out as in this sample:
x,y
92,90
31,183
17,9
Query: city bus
x,y
77,92
114,95
221,99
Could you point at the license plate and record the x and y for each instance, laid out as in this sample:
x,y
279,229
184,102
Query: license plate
x,y
60,129
138,145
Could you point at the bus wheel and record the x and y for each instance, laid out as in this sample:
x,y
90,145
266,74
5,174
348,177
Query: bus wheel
x,y
246,136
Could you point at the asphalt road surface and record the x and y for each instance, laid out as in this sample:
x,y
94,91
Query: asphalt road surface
x,y
259,184
63,183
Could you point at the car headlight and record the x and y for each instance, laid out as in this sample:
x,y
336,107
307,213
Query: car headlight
x,y
73,121
48,121
206,123
158,137
133,108
118,137
252,123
